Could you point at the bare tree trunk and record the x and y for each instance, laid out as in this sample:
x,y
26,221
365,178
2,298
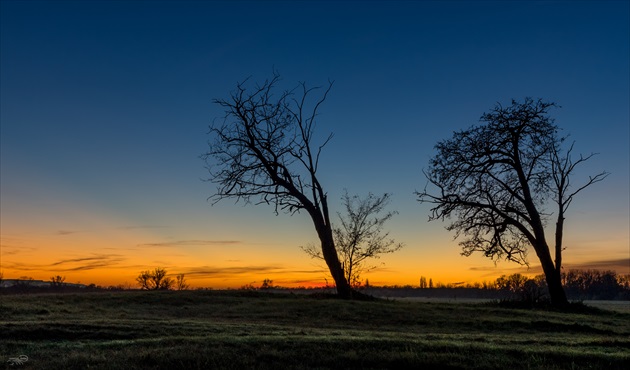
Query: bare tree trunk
x,y
552,276
559,234
322,224
332,260
556,290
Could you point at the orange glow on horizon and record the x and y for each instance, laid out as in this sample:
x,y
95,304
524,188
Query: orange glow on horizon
x,y
112,256
41,268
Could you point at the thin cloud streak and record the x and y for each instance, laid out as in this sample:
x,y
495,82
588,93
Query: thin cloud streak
x,y
65,232
206,271
193,242
92,266
621,266
8,250
305,282
94,262
134,227
239,271
325,271
73,264
494,271
84,259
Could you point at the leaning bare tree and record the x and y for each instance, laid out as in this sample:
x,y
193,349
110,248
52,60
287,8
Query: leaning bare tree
x,y
360,236
264,151
501,181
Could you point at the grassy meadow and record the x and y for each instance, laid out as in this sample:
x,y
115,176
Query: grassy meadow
x,y
254,330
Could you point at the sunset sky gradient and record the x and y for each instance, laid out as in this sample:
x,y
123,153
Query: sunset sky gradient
x,y
105,107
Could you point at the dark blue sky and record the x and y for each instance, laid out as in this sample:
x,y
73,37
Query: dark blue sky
x,y
105,104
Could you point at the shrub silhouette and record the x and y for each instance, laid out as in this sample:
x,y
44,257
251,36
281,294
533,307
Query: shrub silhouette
x,y
155,280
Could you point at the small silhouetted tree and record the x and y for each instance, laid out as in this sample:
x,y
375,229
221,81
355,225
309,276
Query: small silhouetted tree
x,y
360,236
267,284
180,282
57,282
500,181
423,282
155,280
265,151
144,279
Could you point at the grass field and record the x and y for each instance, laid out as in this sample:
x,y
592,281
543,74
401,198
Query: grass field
x,y
251,330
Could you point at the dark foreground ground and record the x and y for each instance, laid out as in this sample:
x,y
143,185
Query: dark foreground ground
x,y
252,330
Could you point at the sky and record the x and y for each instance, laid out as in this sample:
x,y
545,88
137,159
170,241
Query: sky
x,y
105,108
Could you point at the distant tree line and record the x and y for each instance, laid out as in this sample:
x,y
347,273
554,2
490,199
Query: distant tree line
x,y
578,284
596,284
156,279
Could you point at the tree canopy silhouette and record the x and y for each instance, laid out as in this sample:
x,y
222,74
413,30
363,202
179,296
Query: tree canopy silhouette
x,y
264,151
155,280
502,180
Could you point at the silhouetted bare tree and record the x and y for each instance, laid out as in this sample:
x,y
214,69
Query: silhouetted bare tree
x,y
57,282
267,284
360,235
155,280
180,282
423,282
496,181
264,151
